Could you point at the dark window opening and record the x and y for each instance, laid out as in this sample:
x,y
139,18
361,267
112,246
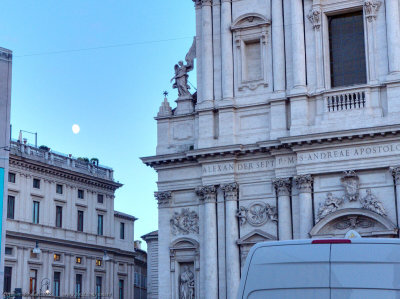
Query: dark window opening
x,y
59,216
100,198
36,183
7,279
59,189
10,207
80,221
11,177
347,49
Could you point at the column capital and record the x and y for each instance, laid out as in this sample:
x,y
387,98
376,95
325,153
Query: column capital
x,y
230,191
200,3
207,193
371,8
304,183
396,174
282,186
314,16
163,198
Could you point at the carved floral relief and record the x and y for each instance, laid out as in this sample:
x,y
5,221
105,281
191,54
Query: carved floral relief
x,y
186,222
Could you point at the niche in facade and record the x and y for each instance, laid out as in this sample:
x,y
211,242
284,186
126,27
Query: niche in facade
x,y
250,33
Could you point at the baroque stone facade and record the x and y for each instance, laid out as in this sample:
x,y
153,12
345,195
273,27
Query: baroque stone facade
x,y
278,144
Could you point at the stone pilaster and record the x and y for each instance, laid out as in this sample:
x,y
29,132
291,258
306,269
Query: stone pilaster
x,y
283,189
278,46
208,195
227,50
298,46
396,175
314,17
304,185
371,9
163,198
232,235
393,35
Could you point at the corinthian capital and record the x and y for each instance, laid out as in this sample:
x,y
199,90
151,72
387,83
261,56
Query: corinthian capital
x,y
163,198
304,183
396,174
230,191
207,193
282,186
314,16
371,8
200,3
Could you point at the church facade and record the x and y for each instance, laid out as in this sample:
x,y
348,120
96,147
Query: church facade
x,y
294,133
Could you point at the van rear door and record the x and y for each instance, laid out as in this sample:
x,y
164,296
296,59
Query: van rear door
x,y
298,271
365,270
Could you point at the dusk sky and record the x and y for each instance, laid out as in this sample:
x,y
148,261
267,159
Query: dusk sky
x,y
104,66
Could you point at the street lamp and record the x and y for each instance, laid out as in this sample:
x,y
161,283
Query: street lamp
x,y
45,282
105,256
36,250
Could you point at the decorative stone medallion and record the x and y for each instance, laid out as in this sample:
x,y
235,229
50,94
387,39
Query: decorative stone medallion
x,y
186,222
353,222
257,214
351,184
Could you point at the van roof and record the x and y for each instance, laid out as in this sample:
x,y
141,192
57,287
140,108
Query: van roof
x,y
309,241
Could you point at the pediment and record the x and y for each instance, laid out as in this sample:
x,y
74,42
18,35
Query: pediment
x,y
249,21
254,237
185,243
365,222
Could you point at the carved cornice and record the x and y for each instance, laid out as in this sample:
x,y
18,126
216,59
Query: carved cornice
x,y
163,198
230,191
314,16
64,174
371,8
207,193
396,174
282,186
304,183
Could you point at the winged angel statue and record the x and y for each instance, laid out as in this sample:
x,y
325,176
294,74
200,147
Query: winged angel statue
x,y
181,73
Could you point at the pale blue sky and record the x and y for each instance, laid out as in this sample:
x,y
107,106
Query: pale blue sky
x,y
112,92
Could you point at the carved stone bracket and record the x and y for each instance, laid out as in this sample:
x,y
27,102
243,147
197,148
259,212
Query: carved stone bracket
x,y
396,174
186,222
371,8
207,193
314,16
163,198
257,214
283,186
304,183
230,191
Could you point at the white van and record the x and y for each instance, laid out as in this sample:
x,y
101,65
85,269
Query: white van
x,y
359,268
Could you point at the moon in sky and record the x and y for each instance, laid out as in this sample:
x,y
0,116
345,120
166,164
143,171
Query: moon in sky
x,y
76,129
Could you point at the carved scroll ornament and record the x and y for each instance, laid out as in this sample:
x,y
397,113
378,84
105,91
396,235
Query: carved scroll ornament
x,y
257,214
186,222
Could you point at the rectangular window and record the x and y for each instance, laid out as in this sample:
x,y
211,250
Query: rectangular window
x,y
36,183
98,262
57,257
59,189
122,230
100,198
100,225
36,212
32,281
137,279
8,251
11,177
80,194
7,279
59,216
80,221
121,289
347,49
98,286
56,283
78,260
78,285
10,207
